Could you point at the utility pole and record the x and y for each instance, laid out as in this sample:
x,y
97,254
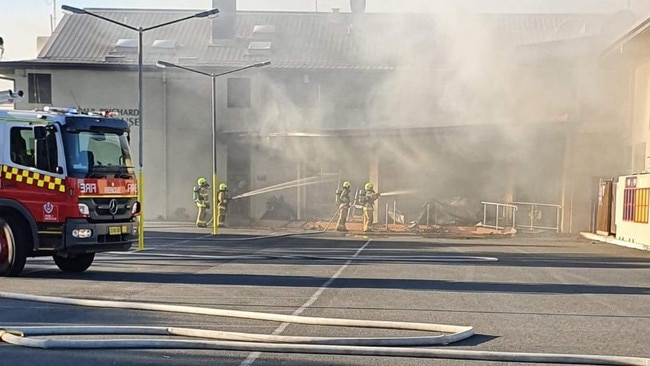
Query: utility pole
x,y
53,17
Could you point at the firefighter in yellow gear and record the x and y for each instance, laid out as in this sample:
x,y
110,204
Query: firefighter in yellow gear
x,y
367,199
223,199
343,199
201,194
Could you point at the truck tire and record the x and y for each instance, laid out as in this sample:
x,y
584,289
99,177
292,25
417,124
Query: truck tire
x,y
74,263
13,253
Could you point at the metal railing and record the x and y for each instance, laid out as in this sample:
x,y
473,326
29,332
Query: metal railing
x,y
537,214
435,214
396,216
497,215
504,211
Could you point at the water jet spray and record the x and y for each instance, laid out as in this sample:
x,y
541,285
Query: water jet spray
x,y
287,185
398,193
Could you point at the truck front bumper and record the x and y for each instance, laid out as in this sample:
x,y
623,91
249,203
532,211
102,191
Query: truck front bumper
x,y
82,236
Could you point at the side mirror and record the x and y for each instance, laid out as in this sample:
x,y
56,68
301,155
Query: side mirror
x,y
135,210
40,132
59,170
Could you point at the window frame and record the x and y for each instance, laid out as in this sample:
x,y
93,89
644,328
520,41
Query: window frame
x,y
39,87
636,204
12,153
59,148
236,97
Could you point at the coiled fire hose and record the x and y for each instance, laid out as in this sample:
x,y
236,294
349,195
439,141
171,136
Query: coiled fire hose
x,y
234,341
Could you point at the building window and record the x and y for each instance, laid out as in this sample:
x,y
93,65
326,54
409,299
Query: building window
x,y
40,88
239,93
347,94
635,204
305,96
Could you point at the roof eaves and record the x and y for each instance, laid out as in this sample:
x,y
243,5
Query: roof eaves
x,y
390,131
332,66
103,65
634,31
67,64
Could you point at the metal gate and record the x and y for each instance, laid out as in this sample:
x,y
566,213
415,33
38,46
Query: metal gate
x,y
605,224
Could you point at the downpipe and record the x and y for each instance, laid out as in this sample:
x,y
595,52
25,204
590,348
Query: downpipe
x,y
234,341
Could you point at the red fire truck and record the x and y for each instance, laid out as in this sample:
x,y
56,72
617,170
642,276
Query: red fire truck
x,y
67,187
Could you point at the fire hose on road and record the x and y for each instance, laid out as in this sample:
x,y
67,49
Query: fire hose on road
x,y
234,341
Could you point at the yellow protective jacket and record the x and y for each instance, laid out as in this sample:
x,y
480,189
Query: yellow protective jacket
x,y
368,200
223,198
201,195
344,196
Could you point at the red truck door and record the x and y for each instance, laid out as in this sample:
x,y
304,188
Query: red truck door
x,y
33,173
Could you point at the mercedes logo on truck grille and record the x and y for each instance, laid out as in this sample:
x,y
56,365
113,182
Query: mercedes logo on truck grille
x,y
112,206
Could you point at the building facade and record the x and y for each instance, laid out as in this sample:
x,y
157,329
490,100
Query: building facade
x,y
499,108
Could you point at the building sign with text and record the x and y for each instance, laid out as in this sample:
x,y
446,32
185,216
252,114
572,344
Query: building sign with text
x,y
132,116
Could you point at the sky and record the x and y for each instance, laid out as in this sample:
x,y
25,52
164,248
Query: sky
x,y
24,20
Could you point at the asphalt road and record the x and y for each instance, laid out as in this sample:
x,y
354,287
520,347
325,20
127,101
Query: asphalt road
x,y
549,295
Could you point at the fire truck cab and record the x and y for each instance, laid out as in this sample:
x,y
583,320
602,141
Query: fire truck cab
x,y
67,188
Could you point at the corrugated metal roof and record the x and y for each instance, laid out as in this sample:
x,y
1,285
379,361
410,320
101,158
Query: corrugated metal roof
x,y
300,40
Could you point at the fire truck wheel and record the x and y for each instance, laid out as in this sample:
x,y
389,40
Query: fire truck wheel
x,y
74,263
12,247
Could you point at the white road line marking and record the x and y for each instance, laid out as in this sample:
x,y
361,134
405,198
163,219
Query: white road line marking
x,y
253,356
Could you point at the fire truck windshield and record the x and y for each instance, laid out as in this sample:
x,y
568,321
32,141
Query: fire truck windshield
x,y
97,154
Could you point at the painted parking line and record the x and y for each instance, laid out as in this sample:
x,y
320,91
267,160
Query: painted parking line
x,y
254,355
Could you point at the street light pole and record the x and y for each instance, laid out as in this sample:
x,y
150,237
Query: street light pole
x,y
164,64
215,181
140,31
140,144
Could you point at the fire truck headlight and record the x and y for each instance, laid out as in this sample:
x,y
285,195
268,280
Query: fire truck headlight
x,y
82,233
135,209
84,210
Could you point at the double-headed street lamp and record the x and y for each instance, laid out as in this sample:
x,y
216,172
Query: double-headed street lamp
x,y
164,64
140,31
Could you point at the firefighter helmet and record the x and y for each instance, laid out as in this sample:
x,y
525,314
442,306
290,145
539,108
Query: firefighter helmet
x,y
223,186
368,186
346,184
202,181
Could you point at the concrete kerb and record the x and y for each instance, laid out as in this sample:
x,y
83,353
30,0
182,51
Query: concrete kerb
x,y
272,228
613,240
298,228
189,226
